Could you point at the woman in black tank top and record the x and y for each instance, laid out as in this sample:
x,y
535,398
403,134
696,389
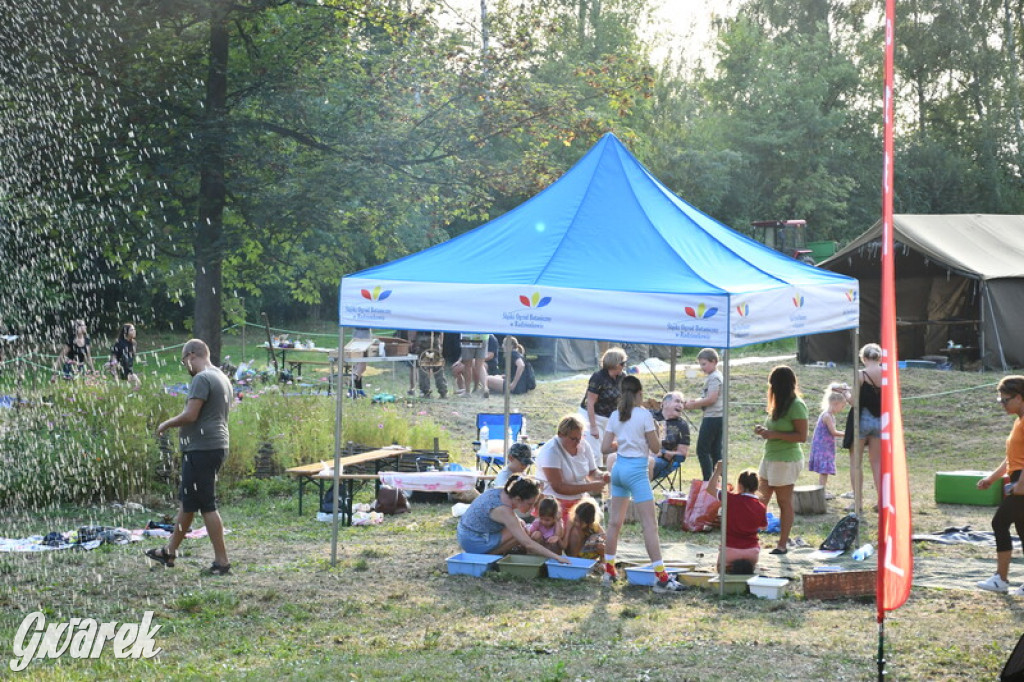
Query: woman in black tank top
x,y
869,382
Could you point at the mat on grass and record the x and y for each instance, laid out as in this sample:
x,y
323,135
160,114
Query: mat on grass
x,y
935,572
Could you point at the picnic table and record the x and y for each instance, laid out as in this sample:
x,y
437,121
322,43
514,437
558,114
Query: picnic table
x,y
303,355
322,474
311,473
425,481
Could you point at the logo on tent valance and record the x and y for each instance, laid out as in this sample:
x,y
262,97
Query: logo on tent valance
x,y
535,301
377,294
701,312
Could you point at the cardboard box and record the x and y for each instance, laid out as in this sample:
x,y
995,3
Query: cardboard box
x,y
840,584
356,348
394,346
961,487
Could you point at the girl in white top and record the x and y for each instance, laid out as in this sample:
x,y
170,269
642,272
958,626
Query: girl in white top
x,y
631,432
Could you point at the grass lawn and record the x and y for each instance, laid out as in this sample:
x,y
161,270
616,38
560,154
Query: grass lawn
x,y
388,610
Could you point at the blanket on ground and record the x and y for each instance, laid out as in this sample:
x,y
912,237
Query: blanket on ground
x,y
55,540
934,572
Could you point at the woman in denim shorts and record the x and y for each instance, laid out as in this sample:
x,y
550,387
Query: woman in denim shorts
x,y
869,383
490,525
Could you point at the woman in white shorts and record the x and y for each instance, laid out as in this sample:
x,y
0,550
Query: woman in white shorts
x,y
783,431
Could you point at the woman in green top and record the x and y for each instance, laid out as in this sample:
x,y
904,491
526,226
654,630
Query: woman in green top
x,y
783,459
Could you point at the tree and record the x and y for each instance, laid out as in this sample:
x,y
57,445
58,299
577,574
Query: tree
x,y
59,191
332,137
800,142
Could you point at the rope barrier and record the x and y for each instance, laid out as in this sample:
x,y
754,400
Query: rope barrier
x,y
289,331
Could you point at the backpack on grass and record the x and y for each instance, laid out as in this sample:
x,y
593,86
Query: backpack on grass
x,y
391,500
843,535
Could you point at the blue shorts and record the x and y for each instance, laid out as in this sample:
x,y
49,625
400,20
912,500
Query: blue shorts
x,y
475,542
629,479
870,425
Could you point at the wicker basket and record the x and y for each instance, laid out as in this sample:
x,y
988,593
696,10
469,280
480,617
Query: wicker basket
x,y
840,585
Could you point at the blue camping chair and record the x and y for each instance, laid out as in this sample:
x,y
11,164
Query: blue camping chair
x,y
670,478
496,425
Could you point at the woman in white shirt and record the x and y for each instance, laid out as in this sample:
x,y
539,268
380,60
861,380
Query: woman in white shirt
x,y
631,432
568,468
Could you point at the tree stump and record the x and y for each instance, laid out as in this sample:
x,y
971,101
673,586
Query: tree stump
x,y
631,515
166,469
672,513
266,466
809,499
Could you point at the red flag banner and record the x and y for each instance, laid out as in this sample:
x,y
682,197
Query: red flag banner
x,y
895,558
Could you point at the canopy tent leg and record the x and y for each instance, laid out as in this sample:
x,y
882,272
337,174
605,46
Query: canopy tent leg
x,y
338,402
724,486
507,344
672,354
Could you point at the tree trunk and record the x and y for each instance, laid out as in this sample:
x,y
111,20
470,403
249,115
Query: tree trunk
x,y
209,248
1014,73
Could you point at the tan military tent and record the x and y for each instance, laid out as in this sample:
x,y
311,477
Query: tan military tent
x,y
959,278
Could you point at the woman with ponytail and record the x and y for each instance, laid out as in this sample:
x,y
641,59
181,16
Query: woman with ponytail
x,y
490,525
632,433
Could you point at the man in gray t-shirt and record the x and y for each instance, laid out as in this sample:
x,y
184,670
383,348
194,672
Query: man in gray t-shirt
x,y
203,433
210,429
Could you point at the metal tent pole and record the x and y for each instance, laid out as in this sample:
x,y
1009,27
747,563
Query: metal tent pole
x,y
338,402
724,485
507,345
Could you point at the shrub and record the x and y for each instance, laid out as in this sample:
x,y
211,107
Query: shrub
x,y
94,440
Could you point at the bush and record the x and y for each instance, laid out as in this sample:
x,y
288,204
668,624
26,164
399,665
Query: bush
x,y
94,440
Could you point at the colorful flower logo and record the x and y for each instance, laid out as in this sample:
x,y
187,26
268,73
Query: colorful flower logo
x,y
375,295
743,310
534,301
851,295
702,312
798,301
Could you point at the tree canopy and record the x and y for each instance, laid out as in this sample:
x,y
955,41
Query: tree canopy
x,y
184,154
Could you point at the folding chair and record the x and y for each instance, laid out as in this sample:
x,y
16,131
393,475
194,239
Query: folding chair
x,y
670,479
485,458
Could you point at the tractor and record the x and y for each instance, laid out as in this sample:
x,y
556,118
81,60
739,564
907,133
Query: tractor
x,y
788,237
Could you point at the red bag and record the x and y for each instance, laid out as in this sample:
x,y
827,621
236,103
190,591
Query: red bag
x,y
701,508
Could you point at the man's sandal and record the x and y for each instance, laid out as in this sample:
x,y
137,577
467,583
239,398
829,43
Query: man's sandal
x,y
161,556
217,569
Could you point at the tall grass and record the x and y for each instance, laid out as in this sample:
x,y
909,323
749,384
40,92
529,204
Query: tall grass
x,y
90,441
93,439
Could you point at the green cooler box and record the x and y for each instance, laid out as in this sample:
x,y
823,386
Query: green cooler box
x,y
961,487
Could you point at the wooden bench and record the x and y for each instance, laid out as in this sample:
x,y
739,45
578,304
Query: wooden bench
x,y
309,473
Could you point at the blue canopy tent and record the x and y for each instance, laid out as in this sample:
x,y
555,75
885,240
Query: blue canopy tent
x,y
605,252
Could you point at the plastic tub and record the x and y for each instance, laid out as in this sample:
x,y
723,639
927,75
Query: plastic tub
x,y
767,588
522,565
734,584
471,564
695,579
644,575
577,569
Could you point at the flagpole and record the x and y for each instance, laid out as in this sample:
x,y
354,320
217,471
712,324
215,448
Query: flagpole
x,y
881,649
895,555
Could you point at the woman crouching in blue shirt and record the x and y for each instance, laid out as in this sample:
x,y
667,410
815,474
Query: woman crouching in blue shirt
x,y
490,525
